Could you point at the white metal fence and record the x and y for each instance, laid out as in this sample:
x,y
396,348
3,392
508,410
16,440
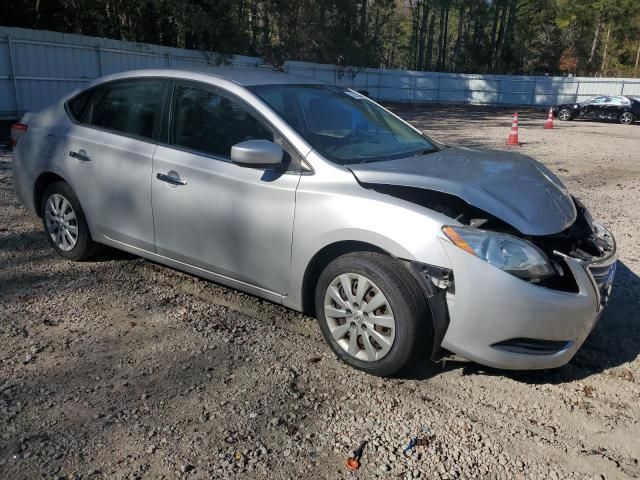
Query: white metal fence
x,y
37,67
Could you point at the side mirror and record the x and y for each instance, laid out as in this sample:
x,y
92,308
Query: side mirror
x,y
256,153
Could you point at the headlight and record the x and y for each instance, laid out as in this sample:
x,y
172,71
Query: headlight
x,y
506,252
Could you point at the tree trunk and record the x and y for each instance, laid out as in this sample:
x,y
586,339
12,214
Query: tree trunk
x,y
442,37
476,25
456,49
37,10
254,28
498,45
363,23
423,34
266,31
595,39
635,69
604,54
508,37
466,37
494,31
432,26
445,38
413,51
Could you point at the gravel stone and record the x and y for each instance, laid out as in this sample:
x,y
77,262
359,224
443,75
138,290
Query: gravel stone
x,y
112,365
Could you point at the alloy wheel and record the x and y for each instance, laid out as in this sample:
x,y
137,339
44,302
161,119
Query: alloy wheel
x,y
626,118
564,114
61,221
359,317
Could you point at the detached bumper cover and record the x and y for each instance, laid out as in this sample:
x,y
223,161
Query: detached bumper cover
x,y
490,308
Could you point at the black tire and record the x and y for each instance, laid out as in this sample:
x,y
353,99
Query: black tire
x,y
85,247
414,330
626,118
562,113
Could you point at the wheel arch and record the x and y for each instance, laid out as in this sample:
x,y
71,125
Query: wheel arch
x,y
321,259
42,182
435,299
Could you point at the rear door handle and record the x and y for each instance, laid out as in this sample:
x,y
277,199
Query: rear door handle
x,y
171,179
81,155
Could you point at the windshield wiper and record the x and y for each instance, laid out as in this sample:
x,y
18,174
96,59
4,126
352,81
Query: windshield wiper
x,y
419,153
398,156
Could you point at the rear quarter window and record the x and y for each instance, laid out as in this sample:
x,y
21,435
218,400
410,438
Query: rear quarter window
x,y
77,106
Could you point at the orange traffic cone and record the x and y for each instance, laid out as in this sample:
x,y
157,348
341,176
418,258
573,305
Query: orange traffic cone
x,y
549,123
513,136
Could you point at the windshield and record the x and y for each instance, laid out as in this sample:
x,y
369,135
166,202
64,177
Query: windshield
x,y
593,100
343,125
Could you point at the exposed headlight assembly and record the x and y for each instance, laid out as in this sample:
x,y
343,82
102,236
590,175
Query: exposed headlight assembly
x,y
506,252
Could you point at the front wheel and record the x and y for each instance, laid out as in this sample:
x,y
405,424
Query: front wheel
x,y
626,118
372,312
565,114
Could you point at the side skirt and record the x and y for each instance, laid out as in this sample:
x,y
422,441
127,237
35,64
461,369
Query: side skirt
x,y
199,272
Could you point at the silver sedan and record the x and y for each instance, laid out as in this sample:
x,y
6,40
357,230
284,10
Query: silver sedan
x,y
316,197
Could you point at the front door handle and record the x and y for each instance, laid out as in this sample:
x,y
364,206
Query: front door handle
x,y
171,179
81,155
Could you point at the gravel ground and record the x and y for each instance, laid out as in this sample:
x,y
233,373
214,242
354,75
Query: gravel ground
x,y
120,368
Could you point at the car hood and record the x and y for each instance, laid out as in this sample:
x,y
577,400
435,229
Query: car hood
x,y
512,187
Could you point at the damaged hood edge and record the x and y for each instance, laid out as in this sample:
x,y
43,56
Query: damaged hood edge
x,y
512,187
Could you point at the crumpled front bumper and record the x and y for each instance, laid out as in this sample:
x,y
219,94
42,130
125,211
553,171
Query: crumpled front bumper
x,y
490,308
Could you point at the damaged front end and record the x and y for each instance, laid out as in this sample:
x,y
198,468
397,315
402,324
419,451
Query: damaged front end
x,y
584,244
588,242
435,282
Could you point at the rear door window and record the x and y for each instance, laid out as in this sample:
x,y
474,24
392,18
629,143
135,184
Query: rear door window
x,y
131,107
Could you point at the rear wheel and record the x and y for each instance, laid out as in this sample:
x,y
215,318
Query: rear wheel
x,y
372,313
565,114
64,223
626,118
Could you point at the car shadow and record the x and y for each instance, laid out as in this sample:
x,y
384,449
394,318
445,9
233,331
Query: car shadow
x,y
614,342
36,239
108,254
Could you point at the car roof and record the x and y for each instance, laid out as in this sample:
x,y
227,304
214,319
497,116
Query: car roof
x,y
245,76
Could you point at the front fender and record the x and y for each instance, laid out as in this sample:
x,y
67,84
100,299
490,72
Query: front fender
x,y
340,210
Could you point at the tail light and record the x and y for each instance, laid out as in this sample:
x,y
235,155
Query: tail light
x,y
17,130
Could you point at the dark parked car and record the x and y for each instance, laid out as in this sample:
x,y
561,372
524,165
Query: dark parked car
x,y
625,110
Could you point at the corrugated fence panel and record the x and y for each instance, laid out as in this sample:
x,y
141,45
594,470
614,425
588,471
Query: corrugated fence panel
x,y
632,89
117,61
50,60
484,90
48,65
7,98
599,87
5,61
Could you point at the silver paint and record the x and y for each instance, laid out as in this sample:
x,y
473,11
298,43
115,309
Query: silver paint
x,y
510,186
259,231
257,153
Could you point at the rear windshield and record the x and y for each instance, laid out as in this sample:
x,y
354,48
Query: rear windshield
x,y
344,126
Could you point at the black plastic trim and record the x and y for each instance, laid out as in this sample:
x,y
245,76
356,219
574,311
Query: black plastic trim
x,y
532,346
437,300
